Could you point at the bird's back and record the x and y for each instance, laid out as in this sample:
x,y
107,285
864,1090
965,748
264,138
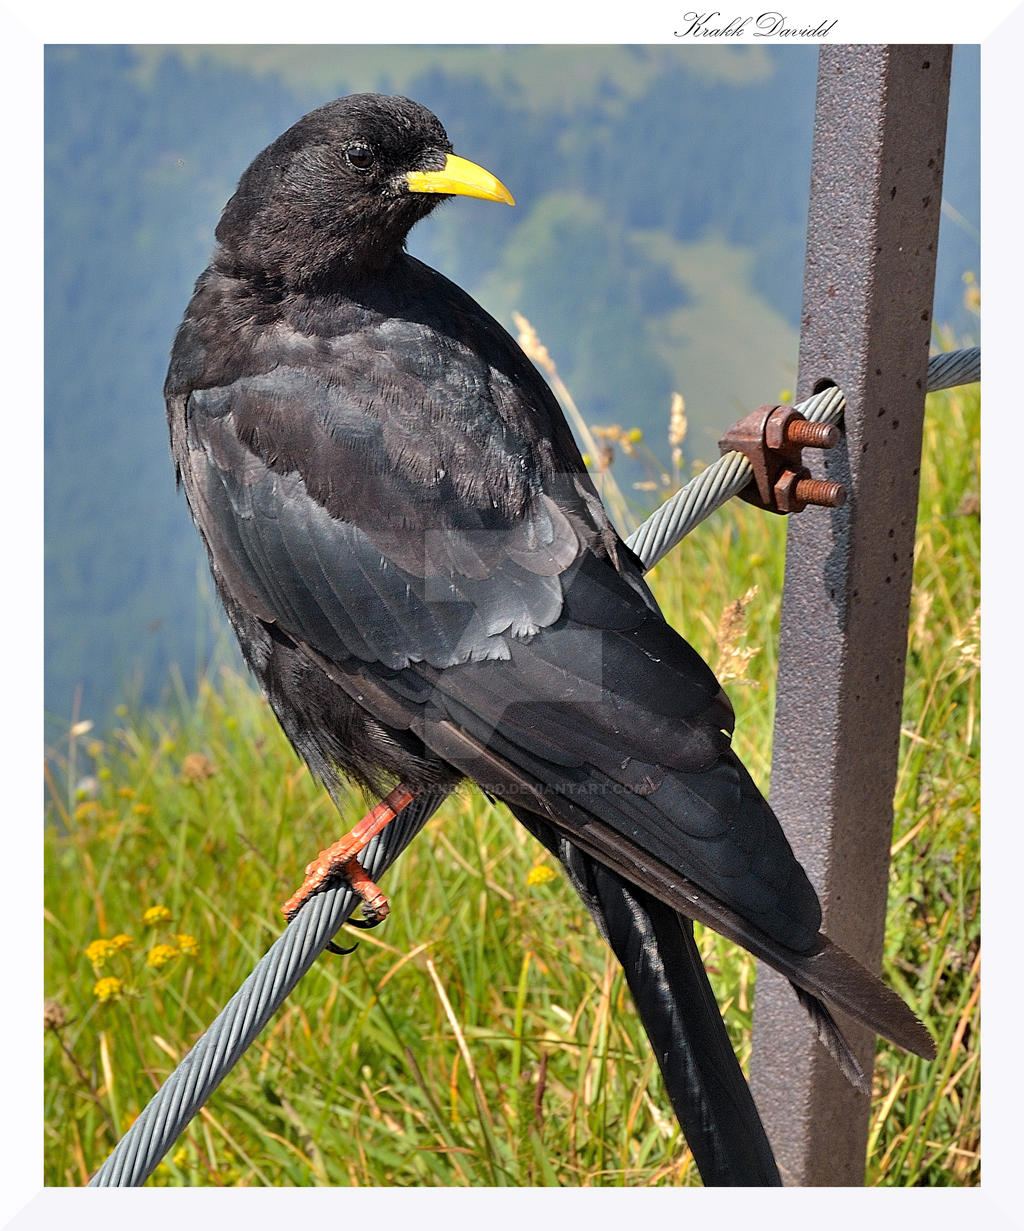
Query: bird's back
x,y
407,542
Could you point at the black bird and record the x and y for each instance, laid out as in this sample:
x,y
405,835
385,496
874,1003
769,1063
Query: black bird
x,y
423,578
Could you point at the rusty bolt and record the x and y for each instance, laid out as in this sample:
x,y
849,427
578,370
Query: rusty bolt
x,y
794,490
786,428
811,435
821,491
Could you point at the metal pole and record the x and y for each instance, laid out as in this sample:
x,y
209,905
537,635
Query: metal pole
x,y
876,186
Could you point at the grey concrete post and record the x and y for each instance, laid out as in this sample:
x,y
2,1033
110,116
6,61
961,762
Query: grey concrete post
x,y
876,186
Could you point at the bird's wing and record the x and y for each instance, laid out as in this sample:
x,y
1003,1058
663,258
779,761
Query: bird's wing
x,y
439,609
399,591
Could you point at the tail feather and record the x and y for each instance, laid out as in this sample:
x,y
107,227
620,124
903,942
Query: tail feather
x,y
677,1005
824,969
831,1038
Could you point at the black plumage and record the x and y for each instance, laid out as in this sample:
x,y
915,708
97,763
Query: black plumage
x,y
422,576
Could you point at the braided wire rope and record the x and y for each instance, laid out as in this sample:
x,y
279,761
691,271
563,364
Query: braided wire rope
x,y
955,367
230,1034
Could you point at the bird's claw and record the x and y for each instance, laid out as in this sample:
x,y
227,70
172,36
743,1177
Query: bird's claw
x,y
331,947
372,918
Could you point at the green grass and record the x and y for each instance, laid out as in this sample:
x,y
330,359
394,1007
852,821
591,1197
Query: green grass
x,y
483,1036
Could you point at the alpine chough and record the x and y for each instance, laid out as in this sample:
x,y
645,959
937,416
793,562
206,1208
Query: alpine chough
x,y
421,575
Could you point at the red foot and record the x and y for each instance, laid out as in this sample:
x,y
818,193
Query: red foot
x,y
340,858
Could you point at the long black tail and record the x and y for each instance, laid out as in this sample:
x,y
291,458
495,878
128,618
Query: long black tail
x,y
666,976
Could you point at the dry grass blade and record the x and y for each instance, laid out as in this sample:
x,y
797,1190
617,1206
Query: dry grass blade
x,y
464,1051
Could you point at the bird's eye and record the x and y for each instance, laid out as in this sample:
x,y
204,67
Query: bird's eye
x,y
359,156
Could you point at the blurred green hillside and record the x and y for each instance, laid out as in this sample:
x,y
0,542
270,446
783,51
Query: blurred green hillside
x,y
657,245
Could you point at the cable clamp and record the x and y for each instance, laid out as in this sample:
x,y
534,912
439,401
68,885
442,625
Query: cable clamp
x,y
772,438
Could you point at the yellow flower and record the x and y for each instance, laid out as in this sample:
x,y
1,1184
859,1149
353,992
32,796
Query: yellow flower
x,y
98,951
540,874
126,792
155,915
142,809
160,955
121,941
187,944
87,809
108,989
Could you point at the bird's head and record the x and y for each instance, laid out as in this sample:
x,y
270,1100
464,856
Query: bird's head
x,y
335,196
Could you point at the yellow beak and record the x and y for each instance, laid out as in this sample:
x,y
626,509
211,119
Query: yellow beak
x,y
461,177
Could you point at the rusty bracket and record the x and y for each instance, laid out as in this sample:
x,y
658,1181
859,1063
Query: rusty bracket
x,y
771,438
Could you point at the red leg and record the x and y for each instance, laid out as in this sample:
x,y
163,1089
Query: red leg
x,y
340,859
